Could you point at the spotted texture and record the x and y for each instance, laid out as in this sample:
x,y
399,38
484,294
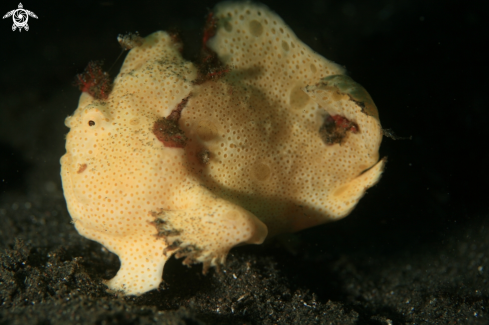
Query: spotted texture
x,y
266,153
118,177
253,161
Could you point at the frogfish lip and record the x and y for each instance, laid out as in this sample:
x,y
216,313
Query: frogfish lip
x,y
65,161
72,167
66,181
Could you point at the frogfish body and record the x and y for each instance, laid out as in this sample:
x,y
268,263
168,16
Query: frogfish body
x,y
182,160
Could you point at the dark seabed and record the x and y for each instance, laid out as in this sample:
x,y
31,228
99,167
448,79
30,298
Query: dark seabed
x,y
414,251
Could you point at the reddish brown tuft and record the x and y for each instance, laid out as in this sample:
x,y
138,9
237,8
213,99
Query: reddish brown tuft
x,y
94,81
209,65
209,28
344,123
335,128
167,130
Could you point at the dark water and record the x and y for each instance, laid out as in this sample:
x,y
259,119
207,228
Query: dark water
x,y
414,251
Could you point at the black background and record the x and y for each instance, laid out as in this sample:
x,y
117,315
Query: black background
x,y
420,235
